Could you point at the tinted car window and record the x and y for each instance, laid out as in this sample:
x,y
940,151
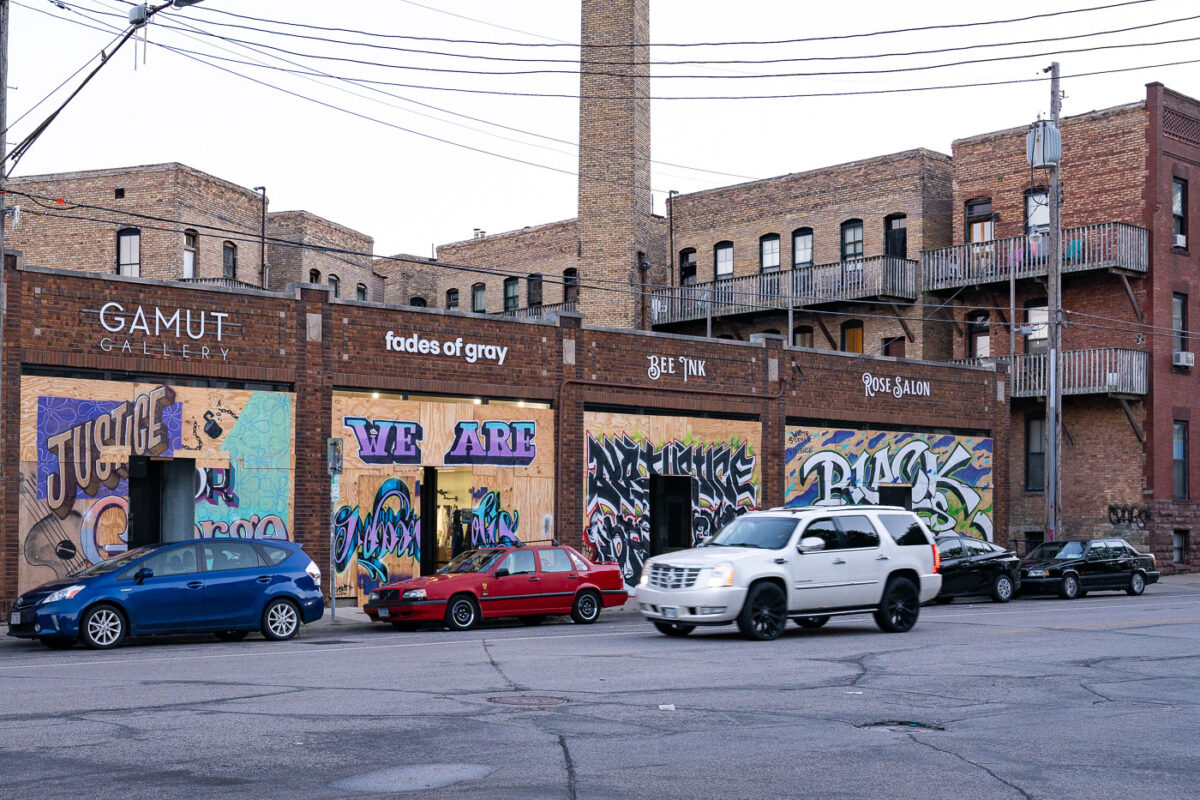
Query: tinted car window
x,y
1070,550
859,531
975,547
826,530
275,555
224,554
904,529
951,548
554,560
771,533
519,562
176,561
1098,550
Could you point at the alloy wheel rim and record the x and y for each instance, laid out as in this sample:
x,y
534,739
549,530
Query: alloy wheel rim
x,y
104,627
463,613
282,619
903,612
587,607
1070,585
1138,582
1004,588
766,621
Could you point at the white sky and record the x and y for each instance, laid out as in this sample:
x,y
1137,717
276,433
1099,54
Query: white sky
x,y
409,192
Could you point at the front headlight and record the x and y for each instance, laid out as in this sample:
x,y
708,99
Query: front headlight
x,y
722,575
413,594
1038,573
64,594
373,597
645,579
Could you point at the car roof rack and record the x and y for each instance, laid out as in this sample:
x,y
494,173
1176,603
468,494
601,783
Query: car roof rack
x,y
520,543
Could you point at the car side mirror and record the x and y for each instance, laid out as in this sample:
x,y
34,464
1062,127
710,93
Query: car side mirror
x,y
142,574
501,573
810,544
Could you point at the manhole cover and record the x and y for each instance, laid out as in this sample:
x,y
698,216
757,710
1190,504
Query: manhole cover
x,y
527,700
903,724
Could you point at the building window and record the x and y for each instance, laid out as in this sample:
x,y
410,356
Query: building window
x,y
570,285
768,253
416,301
1179,211
852,239
1179,322
533,290
360,291
1037,326
129,252
1035,453
687,267
979,335
802,336
229,260
895,236
191,253
1179,457
512,293
1037,212
893,346
802,247
452,299
314,276
336,284
723,260
981,223
1179,544
852,336
479,298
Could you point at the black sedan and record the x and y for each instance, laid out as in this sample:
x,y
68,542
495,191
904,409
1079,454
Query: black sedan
x,y
1071,568
972,566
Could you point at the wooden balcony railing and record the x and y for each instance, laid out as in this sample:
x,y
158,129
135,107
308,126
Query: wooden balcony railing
x,y
1106,370
1104,246
544,311
877,276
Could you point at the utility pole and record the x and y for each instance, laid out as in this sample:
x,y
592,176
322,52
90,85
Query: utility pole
x,y
1054,321
3,213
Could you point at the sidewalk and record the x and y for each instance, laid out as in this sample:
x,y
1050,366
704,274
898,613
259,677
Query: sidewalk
x,y
349,614
1188,580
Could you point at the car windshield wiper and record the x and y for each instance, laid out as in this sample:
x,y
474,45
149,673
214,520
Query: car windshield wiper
x,y
747,544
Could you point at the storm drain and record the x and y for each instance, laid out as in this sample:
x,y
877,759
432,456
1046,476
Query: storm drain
x,y
903,724
529,701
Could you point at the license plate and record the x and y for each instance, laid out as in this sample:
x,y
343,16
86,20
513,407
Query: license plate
x,y
670,612
14,618
384,613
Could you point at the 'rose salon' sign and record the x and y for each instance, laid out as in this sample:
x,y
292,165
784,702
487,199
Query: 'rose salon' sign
x,y
897,386
151,331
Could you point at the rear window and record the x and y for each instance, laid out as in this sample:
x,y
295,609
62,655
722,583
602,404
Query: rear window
x,y
275,555
905,529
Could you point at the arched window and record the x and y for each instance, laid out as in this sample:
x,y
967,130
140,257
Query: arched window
x,y
533,290
802,336
191,253
981,222
336,283
229,260
895,236
360,291
723,260
314,276
768,253
479,298
979,335
852,336
570,285
416,301
802,247
687,267
512,293
129,252
852,239
452,299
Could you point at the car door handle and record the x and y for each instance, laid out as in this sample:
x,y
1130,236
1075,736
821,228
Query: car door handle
x,y
195,584
535,579
263,579
781,561
839,561
882,557
573,577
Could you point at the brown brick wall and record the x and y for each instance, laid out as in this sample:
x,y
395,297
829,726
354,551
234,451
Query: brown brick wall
x,y
294,264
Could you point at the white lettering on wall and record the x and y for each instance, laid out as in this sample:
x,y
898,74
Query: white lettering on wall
x,y
676,365
897,386
178,323
470,352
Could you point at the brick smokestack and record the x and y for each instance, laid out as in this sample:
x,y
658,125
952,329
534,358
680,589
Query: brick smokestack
x,y
615,202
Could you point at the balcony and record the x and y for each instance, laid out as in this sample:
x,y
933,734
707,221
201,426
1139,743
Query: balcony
x,y
542,312
224,283
877,276
1108,245
1107,370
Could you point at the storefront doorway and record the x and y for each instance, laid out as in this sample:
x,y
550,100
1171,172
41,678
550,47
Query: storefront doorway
x,y
446,501
161,500
670,513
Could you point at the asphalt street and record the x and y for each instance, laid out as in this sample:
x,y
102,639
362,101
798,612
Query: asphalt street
x,y
1039,698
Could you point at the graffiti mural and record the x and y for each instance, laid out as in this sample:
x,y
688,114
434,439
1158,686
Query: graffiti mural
x,y
624,451
950,476
491,525
390,529
77,438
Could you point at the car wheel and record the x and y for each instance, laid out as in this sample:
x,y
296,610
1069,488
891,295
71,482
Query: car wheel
x,y
674,628
102,627
1070,587
280,620
533,619
1137,584
900,606
462,613
811,622
944,601
404,626
232,636
58,642
587,608
1002,589
764,613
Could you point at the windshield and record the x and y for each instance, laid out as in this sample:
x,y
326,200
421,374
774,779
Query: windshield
x,y
769,533
472,561
1071,550
114,564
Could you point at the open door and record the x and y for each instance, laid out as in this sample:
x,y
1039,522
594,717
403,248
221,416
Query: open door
x,y
670,513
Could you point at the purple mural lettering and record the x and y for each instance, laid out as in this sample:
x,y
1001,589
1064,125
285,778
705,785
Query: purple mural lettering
x,y
386,441
495,443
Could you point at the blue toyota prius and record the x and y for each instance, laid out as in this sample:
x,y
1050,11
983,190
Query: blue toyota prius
x,y
226,586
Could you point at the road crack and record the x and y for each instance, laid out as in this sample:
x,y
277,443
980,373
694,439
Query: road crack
x,y
975,764
512,685
562,742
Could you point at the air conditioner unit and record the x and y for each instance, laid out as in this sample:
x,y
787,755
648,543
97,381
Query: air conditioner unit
x,y
1180,240
1182,358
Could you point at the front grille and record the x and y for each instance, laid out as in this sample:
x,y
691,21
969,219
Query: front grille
x,y
389,595
664,576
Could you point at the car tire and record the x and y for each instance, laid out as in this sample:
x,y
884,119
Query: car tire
x,y
943,601
900,606
1002,589
764,614
280,620
232,636
1069,589
462,613
586,609
1137,584
533,619
674,628
812,623
404,626
58,642
103,627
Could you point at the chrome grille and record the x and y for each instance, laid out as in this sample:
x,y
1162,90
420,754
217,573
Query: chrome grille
x,y
665,576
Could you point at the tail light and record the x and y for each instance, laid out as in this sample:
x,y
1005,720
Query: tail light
x,y
314,572
937,560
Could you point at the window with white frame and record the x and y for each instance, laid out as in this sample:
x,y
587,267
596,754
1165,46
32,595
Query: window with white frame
x,y
723,260
802,247
129,252
191,253
768,253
